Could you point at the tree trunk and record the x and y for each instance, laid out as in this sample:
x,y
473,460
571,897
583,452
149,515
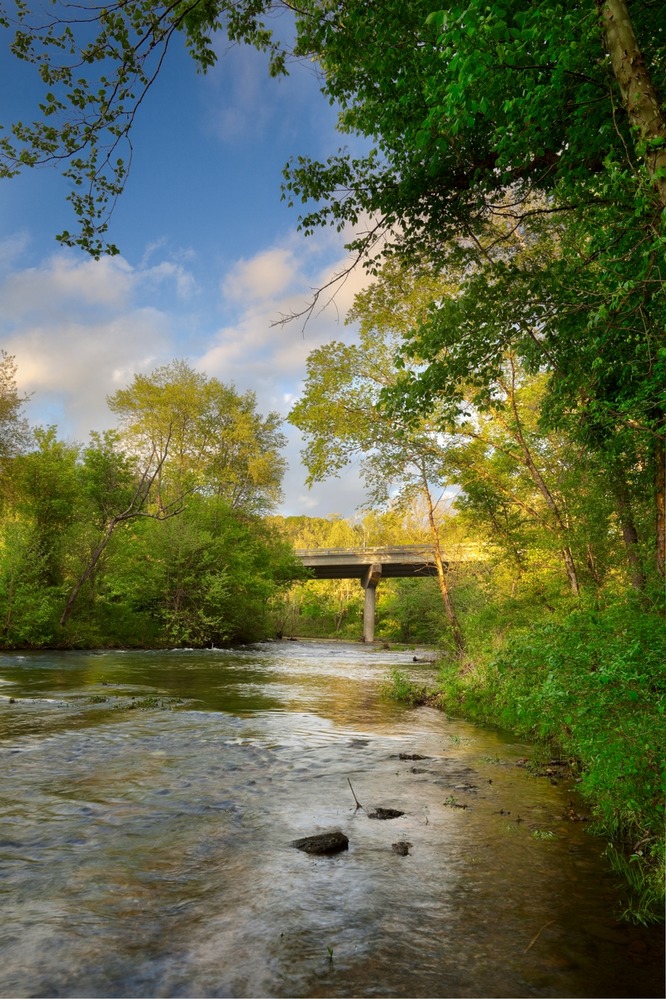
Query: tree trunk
x,y
570,567
660,501
646,115
542,486
638,94
592,566
628,526
88,571
442,570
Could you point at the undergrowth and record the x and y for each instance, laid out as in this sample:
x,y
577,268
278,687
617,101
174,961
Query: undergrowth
x,y
401,688
592,685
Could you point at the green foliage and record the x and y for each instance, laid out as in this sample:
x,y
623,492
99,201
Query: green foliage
x,y
28,608
217,576
410,611
147,536
592,683
47,493
642,874
401,688
518,171
108,476
209,437
15,434
320,609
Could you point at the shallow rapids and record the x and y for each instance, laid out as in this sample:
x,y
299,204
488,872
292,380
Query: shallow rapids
x,y
149,802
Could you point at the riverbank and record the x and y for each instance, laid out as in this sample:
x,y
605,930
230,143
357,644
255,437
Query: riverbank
x,y
590,689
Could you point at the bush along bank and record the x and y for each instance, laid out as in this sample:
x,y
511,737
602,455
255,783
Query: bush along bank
x,y
592,687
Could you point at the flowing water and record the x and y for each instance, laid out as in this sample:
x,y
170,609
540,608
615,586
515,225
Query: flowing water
x,y
149,801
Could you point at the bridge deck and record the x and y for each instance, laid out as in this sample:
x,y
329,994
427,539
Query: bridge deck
x,y
347,563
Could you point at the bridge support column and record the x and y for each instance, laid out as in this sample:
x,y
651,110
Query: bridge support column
x,y
369,582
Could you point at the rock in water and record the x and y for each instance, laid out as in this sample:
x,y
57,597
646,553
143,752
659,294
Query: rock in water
x,y
385,813
324,843
401,847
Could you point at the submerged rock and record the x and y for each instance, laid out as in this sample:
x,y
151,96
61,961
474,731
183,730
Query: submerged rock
x,y
401,847
322,843
385,813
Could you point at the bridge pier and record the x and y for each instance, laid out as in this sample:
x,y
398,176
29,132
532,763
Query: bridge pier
x,y
369,581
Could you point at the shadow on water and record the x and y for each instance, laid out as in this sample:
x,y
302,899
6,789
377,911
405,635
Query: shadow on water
x,y
150,800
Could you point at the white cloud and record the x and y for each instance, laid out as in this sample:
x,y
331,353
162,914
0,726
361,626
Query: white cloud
x,y
267,275
12,248
79,332
67,283
170,273
81,365
253,351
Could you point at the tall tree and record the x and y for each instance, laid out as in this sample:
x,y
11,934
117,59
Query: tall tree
x,y
476,108
49,497
120,493
217,442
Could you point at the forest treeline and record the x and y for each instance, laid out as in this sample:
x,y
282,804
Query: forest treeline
x,y
148,535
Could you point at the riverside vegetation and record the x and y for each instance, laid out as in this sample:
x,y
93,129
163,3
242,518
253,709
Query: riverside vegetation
x,y
588,687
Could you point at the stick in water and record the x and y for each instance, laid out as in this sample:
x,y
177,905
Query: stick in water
x,y
358,803
535,938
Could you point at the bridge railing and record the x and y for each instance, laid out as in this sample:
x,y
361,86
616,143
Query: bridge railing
x,y
462,552
366,550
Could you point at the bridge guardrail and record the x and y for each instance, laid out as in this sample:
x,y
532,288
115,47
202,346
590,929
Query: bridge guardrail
x,y
365,550
470,550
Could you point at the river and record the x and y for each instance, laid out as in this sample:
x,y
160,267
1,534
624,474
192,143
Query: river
x,y
149,803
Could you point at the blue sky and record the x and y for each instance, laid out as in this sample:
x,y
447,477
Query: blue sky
x,y
210,256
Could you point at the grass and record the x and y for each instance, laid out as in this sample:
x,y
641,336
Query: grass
x,y
401,688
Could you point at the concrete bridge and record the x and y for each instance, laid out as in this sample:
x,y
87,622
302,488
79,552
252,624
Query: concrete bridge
x,y
369,565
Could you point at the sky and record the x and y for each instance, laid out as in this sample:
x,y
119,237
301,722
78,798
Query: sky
x,y
210,257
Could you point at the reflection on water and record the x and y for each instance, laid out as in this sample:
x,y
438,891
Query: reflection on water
x,y
149,802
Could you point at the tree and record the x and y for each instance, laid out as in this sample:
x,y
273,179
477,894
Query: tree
x,y
503,101
96,66
28,608
217,442
506,453
494,103
120,493
215,572
462,102
48,496
602,389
